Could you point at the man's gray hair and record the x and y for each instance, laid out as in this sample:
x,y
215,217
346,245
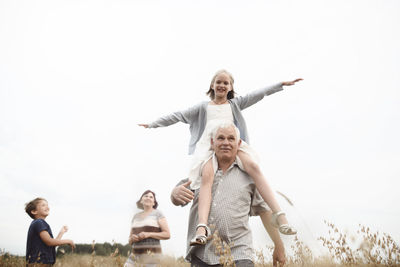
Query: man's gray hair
x,y
224,125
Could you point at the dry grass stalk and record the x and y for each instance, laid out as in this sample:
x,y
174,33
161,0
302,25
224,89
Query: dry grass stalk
x,y
338,246
7,260
376,249
264,259
302,253
223,250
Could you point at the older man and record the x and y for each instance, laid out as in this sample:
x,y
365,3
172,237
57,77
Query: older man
x,y
234,199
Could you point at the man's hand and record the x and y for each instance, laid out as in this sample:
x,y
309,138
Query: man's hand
x,y
181,195
278,256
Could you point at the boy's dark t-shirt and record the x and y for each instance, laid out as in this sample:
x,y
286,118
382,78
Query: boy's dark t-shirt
x,y
36,250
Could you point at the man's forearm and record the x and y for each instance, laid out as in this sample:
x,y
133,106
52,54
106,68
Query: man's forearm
x,y
278,256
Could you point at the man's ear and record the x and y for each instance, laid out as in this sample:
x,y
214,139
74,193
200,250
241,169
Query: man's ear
x,y
240,142
212,142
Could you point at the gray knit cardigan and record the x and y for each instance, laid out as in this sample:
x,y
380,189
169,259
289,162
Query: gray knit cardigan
x,y
196,116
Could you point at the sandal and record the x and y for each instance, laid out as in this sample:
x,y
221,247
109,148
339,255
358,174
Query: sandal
x,y
284,229
201,240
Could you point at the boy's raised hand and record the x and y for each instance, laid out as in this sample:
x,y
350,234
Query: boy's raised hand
x,y
62,232
144,125
64,229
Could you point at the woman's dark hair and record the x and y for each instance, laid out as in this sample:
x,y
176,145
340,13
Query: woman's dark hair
x,y
140,205
211,93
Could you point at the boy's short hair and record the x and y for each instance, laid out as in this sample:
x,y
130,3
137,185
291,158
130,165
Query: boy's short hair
x,y
31,206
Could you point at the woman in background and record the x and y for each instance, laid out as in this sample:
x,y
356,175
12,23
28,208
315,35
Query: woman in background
x,y
148,227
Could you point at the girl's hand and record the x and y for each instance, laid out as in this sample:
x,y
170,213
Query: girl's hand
x,y
292,82
144,125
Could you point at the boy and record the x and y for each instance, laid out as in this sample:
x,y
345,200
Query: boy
x,y
41,246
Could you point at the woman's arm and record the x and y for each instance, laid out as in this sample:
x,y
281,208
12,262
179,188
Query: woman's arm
x,y
185,116
163,235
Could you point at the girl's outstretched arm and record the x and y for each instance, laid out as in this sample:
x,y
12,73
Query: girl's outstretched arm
x,y
257,95
185,116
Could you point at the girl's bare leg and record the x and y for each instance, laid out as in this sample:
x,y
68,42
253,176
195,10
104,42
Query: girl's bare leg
x,y
207,179
262,185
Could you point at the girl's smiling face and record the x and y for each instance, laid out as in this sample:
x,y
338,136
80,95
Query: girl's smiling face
x,y
222,85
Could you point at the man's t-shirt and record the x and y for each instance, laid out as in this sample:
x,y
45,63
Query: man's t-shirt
x,y
36,250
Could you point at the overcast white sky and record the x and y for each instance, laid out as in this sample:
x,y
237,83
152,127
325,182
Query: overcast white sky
x,y
77,76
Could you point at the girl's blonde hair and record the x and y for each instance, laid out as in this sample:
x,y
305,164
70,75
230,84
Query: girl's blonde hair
x,y
211,93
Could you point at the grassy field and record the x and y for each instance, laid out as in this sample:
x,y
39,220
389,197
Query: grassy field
x,y
373,249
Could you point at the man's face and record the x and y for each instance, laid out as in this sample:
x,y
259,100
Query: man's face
x,y
226,143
